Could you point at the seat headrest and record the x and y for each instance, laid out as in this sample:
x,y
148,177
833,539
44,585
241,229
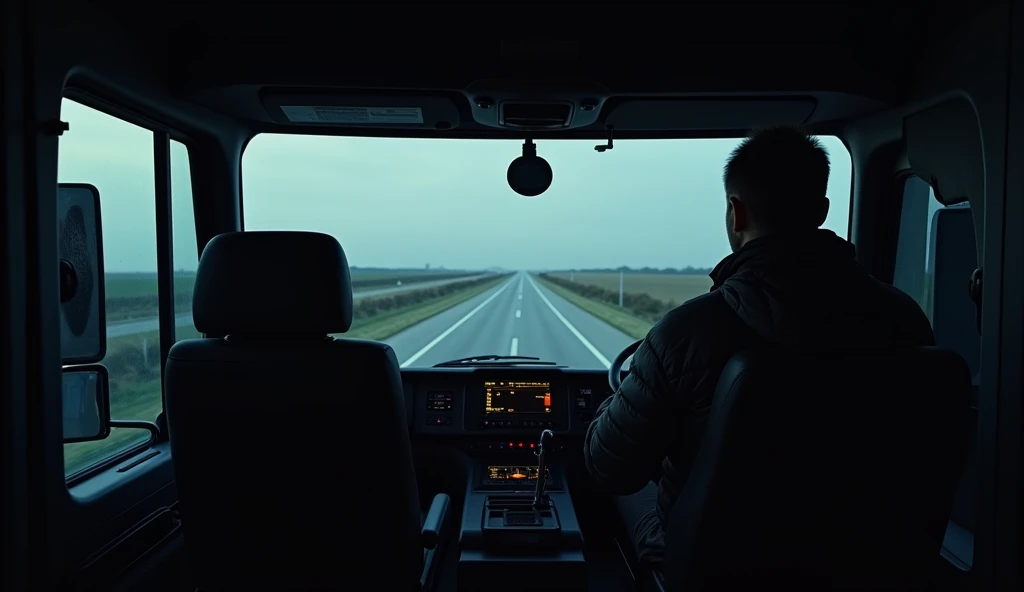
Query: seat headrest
x,y
273,283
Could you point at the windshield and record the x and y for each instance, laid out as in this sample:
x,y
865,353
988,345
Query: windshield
x,y
448,262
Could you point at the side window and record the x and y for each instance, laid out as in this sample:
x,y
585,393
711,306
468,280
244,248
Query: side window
x,y
183,227
117,158
915,271
936,254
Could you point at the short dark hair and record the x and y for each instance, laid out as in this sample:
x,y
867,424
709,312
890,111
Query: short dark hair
x,y
780,173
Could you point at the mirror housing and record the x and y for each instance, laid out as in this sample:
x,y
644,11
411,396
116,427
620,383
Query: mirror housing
x,y
529,175
83,326
85,401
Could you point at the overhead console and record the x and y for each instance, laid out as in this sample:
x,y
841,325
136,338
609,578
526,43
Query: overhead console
x,y
535,106
355,109
534,109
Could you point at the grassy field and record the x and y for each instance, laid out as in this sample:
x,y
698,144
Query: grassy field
x,y
387,324
646,296
130,285
133,361
669,288
623,320
132,296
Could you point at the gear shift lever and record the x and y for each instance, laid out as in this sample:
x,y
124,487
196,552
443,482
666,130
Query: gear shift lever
x,y
539,501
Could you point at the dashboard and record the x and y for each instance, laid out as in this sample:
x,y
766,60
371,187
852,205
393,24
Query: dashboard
x,y
507,405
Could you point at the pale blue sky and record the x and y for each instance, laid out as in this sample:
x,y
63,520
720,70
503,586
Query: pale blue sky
x,y
409,202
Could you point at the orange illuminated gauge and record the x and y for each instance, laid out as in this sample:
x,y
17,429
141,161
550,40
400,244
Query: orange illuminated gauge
x,y
518,476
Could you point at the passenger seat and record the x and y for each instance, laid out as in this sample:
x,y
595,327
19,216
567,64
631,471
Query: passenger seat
x,y
291,448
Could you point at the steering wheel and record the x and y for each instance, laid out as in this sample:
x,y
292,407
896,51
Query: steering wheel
x,y
615,370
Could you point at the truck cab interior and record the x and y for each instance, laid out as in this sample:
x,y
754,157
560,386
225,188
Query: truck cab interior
x,y
322,297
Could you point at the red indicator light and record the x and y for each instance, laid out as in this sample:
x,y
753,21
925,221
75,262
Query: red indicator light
x,y
547,399
532,444
520,444
511,445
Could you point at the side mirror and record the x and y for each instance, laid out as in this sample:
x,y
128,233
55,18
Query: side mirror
x,y
85,391
83,333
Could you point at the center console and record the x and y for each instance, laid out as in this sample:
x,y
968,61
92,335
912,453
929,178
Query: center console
x,y
518,516
494,418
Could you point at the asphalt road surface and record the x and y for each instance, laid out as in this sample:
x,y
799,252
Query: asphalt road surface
x,y
518,317
123,328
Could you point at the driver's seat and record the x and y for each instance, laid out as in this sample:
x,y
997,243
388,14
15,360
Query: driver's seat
x,y
823,472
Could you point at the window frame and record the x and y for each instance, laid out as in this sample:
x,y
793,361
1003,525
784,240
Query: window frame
x,y
161,135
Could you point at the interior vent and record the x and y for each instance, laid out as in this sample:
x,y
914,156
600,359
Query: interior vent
x,y
535,115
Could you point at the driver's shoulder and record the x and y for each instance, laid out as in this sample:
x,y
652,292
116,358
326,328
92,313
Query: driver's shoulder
x,y
691,324
696,311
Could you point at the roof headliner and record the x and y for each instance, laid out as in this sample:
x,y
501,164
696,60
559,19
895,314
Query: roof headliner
x,y
851,58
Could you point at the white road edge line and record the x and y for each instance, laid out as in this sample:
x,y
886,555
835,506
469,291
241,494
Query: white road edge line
x,y
457,324
514,350
519,313
590,346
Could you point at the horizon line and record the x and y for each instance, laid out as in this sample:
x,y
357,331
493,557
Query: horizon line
x,y
405,268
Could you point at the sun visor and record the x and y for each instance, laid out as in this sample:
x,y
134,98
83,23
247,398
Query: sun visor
x,y
362,111
944,149
708,113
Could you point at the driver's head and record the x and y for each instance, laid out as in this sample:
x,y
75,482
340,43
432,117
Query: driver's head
x,y
775,181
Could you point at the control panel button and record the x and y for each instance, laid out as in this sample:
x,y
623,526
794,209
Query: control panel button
x,y
439,400
584,398
515,424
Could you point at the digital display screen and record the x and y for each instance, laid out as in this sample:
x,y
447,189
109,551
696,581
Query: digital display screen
x,y
505,473
517,397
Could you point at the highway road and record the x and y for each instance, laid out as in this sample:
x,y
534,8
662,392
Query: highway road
x,y
518,317
134,326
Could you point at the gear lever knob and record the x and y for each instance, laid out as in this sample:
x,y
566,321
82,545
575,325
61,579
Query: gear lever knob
x,y
539,501
545,439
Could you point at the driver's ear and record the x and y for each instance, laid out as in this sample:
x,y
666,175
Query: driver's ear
x,y
740,216
822,212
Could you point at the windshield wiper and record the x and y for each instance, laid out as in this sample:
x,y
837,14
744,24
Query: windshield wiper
x,y
494,360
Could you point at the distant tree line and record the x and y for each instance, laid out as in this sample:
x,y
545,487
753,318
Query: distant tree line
x,y
440,268
688,270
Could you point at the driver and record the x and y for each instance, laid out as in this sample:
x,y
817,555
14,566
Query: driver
x,y
786,283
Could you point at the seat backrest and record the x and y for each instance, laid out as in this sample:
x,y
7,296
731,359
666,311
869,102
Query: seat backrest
x,y
291,449
830,471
